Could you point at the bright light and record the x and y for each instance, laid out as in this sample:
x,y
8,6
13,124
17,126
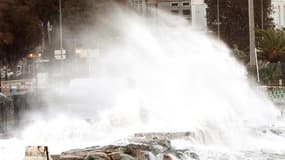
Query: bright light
x,y
78,51
30,55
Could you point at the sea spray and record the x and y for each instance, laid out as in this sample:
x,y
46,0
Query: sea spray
x,y
152,76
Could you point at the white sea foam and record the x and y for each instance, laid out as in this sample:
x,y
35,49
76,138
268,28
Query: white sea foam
x,y
155,77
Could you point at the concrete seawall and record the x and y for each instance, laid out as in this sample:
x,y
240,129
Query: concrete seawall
x,y
7,115
13,108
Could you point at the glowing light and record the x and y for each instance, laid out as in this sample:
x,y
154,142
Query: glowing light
x,y
30,55
78,51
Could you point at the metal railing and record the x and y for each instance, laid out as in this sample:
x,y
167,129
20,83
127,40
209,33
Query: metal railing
x,y
270,74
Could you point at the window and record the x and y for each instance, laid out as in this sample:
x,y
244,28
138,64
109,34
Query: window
x,y
185,3
186,12
174,11
174,4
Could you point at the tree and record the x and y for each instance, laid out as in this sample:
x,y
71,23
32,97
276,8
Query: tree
x,y
24,22
272,44
234,20
45,10
20,29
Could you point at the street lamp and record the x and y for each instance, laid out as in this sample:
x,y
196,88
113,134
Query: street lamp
x,y
60,35
251,32
30,55
218,17
253,55
262,19
0,76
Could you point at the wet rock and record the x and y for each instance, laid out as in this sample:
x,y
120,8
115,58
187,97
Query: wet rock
x,y
108,149
154,145
121,156
55,157
264,131
115,156
71,157
141,149
194,156
166,157
135,150
94,155
276,131
75,152
182,154
147,156
126,157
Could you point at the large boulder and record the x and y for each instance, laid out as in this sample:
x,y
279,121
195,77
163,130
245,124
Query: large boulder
x,y
139,149
71,157
120,156
95,155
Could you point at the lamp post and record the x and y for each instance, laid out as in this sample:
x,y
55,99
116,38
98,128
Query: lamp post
x,y
60,36
0,76
253,54
262,16
251,32
218,17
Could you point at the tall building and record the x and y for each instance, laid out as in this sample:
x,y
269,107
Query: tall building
x,y
279,13
192,10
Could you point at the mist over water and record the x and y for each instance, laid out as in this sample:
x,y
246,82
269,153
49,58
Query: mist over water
x,y
155,75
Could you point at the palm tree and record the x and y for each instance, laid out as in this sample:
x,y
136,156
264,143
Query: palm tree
x,y
272,44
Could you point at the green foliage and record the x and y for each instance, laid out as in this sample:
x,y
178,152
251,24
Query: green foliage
x,y
20,29
272,44
234,20
269,73
22,22
45,10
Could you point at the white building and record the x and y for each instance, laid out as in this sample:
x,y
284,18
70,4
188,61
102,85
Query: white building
x,y
279,13
192,10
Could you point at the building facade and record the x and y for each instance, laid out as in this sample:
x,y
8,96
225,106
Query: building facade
x,y
279,13
192,10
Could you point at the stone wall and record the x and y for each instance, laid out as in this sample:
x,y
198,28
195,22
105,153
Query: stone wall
x,y
13,109
7,115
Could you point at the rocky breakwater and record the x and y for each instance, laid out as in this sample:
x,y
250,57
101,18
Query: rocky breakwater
x,y
136,149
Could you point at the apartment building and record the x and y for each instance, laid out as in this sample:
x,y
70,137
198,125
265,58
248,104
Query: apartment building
x,y
279,13
192,10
